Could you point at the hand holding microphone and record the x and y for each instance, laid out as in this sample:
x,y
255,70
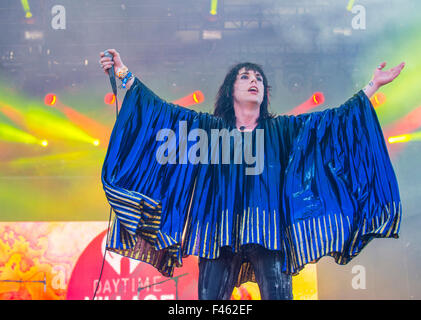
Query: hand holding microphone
x,y
107,62
112,64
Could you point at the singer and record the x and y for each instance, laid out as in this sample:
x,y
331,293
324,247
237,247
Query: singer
x,y
327,187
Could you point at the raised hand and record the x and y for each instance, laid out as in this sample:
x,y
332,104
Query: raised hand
x,y
106,62
382,77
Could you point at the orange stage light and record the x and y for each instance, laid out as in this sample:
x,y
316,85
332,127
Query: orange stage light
x,y
87,124
90,126
194,98
378,99
316,99
13,114
409,123
406,125
109,98
50,99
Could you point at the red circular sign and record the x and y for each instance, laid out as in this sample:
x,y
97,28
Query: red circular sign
x,y
122,277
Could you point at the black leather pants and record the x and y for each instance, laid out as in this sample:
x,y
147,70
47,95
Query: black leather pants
x,y
217,277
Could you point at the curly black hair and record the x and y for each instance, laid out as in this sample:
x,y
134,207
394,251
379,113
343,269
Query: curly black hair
x,y
224,105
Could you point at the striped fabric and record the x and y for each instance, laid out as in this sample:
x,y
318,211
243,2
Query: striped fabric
x,y
327,189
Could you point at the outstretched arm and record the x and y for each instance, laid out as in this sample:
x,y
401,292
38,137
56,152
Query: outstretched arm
x,y
382,77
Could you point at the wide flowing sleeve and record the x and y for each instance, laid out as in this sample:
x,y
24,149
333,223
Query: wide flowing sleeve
x,y
340,190
148,186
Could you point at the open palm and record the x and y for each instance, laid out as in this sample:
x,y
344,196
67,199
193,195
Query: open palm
x,y
382,77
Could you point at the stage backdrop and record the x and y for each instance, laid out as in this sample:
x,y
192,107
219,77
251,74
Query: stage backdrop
x,y
62,260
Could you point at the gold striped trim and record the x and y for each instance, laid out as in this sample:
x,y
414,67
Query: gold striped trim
x,y
342,233
148,234
308,247
123,202
226,215
351,249
126,214
195,238
114,231
237,230
302,253
264,228
248,225
129,208
386,223
222,228
122,199
331,234
137,197
316,238
269,231
149,205
243,223
326,236
206,239
399,217
215,242
310,233
257,230
337,233
349,225
275,240
162,238
119,192
252,224
289,240
321,236
150,216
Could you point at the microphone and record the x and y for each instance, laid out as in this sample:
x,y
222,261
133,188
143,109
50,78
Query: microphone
x,y
111,73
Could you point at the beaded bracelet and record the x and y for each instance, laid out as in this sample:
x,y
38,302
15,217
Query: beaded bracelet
x,y
128,77
124,75
121,73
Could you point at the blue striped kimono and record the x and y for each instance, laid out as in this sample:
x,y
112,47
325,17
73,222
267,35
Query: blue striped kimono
x,y
326,188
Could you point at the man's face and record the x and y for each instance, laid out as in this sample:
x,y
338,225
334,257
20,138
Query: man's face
x,y
248,87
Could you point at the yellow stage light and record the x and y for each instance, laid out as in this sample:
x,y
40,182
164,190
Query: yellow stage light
x,y
350,5
26,8
399,139
214,7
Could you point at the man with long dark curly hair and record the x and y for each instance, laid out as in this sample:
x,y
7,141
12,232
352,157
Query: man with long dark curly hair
x,y
327,187
225,100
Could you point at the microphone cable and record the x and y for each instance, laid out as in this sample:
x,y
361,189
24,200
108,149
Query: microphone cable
x,y
109,219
